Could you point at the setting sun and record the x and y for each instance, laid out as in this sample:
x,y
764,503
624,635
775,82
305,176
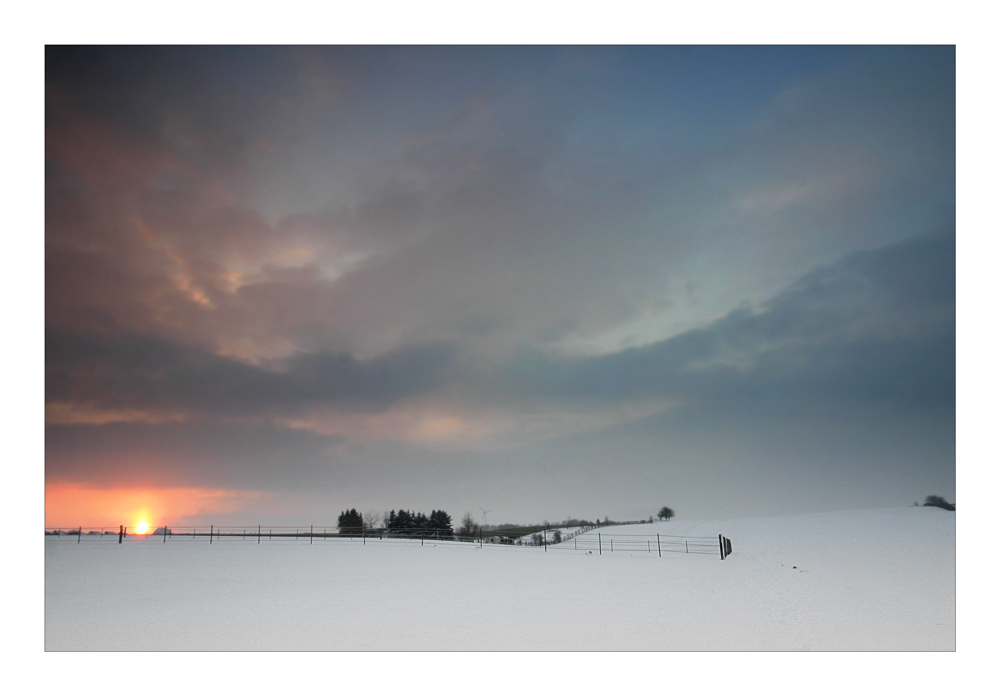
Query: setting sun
x,y
141,528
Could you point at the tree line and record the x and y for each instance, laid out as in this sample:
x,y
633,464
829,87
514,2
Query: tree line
x,y
404,522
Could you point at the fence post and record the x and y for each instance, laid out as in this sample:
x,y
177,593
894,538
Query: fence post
x,y
80,535
659,553
164,533
599,551
310,534
121,533
258,533
722,550
211,533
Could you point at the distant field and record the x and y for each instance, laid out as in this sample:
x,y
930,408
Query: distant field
x,y
858,580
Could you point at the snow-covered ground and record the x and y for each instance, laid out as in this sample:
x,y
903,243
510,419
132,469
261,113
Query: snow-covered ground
x,y
856,580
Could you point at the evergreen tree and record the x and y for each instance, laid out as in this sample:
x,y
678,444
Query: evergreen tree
x,y
350,522
440,524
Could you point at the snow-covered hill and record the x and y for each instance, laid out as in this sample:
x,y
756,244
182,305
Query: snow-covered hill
x,y
856,580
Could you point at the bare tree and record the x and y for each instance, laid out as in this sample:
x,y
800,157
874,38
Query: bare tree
x,y
470,527
372,519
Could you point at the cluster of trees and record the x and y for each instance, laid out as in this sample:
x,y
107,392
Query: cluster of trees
x,y
350,521
437,524
665,513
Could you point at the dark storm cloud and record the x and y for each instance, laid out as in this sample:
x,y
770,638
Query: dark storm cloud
x,y
558,193
136,372
877,325
213,454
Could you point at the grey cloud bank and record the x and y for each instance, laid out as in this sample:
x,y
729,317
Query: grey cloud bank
x,y
576,277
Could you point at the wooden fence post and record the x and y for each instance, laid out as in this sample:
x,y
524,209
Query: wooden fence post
x,y
659,553
722,550
258,533
164,533
599,551
80,535
211,533
121,533
310,534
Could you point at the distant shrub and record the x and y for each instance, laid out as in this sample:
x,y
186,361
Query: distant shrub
x,y
938,501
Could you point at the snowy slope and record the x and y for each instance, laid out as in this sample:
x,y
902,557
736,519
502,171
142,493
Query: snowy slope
x,y
857,580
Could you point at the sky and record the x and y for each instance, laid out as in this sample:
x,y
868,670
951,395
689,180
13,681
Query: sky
x,y
542,282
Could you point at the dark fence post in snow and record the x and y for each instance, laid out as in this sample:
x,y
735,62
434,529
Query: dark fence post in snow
x,y
258,533
80,535
310,534
211,533
121,533
599,551
164,533
659,553
722,550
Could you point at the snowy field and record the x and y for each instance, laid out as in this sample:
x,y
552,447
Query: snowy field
x,y
856,580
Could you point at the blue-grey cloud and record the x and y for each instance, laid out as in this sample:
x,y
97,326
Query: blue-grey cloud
x,y
877,325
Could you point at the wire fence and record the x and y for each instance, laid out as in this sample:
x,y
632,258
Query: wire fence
x,y
583,540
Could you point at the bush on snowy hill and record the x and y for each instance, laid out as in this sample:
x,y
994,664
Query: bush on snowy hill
x,y
938,501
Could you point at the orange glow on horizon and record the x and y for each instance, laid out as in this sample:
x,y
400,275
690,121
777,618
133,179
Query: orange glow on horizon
x,y
72,505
